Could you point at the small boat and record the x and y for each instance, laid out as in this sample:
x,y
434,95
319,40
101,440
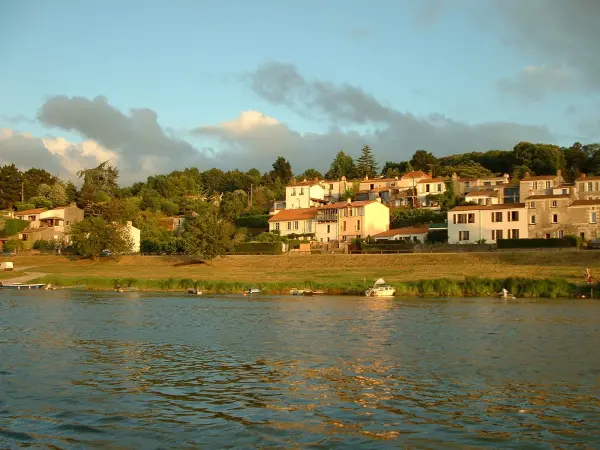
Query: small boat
x,y
21,286
296,291
252,291
194,291
381,289
310,292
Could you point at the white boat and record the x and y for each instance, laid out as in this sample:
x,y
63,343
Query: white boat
x,y
194,291
296,291
253,291
21,286
381,289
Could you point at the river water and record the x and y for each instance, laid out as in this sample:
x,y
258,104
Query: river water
x,y
90,370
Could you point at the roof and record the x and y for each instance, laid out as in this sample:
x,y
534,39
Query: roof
x,y
586,178
294,214
346,204
549,196
586,203
28,212
304,183
539,177
489,207
404,231
416,174
52,218
432,180
486,193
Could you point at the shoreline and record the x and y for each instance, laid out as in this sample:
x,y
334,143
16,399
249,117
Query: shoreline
x,y
432,288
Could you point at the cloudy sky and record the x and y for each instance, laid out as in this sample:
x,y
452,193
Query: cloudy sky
x,y
154,86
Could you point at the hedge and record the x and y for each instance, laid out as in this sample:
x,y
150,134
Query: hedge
x,y
13,226
253,221
173,245
568,241
258,248
397,246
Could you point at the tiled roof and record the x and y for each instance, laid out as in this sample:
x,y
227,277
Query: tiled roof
x,y
28,212
346,204
549,196
415,174
586,203
489,207
539,177
482,194
432,180
590,177
404,231
294,214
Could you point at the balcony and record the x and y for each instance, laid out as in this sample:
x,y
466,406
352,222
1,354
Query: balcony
x,y
323,216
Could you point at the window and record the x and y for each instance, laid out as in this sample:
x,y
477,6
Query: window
x,y
462,218
561,234
293,191
463,235
467,184
358,225
554,204
532,204
590,186
328,229
532,220
426,188
514,233
581,187
69,223
548,185
301,191
487,183
277,226
497,216
554,218
439,186
289,225
344,226
296,225
472,218
597,186
565,191
309,226
331,187
496,234
513,216
593,217
535,185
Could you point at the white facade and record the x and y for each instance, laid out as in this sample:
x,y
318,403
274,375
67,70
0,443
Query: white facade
x,y
294,221
299,195
404,234
483,197
470,224
135,235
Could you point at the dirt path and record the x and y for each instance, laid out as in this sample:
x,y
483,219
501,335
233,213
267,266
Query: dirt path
x,y
25,278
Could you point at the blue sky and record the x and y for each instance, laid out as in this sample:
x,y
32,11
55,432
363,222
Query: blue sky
x,y
193,63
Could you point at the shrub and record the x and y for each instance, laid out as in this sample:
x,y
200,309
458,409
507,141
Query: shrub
x,y
42,244
13,244
253,221
273,248
569,241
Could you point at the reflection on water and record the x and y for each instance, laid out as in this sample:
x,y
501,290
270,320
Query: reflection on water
x,y
149,371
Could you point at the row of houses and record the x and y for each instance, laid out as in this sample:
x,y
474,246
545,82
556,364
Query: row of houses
x,y
55,225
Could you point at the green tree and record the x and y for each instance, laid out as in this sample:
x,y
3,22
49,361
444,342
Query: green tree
x,y
55,193
234,204
366,166
208,236
543,159
282,170
99,183
467,169
424,161
404,217
72,192
341,166
93,235
34,178
311,174
10,185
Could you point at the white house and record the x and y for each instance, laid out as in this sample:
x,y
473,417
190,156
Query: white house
x,y
416,233
304,194
135,235
471,223
483,197
427,187
293,221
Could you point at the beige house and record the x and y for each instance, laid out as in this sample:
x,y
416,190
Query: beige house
x,y
548,215
539,185
472,223
588,187
416,234
304,194
334,189
135,235
32,215
429,187
293,221
483,197
585,221
50,224
463,186
348,220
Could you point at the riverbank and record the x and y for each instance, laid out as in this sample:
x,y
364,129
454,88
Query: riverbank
x,y
526,274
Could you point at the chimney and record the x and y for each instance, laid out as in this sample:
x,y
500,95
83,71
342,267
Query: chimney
x,y
558,173
366,177
349,200
316,179
304,179
378,199
396,178
454,176
526,175
431,173
506,178
583,175
129,223
343,178
73,204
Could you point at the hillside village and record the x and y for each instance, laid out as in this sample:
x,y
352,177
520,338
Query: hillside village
x,y
190,211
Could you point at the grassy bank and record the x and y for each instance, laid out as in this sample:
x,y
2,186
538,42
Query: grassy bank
x,y
527,274
442,287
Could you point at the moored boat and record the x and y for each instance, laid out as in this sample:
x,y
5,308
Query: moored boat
x,y
296,291
252,291
194,291
381,289
310,292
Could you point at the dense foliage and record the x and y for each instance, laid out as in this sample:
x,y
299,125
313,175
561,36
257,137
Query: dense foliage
x,y
12,227
94,234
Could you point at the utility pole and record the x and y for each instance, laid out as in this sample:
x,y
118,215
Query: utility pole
x,y
22,192
251,187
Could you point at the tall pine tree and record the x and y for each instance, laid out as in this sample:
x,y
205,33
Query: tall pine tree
x,y
366,165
